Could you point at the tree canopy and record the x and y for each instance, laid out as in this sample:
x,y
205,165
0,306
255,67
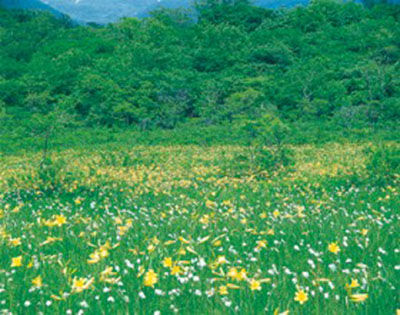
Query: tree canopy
x,y
235,61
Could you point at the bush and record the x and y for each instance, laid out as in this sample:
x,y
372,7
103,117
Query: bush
x,y
49,174
383,165
272,159
268,152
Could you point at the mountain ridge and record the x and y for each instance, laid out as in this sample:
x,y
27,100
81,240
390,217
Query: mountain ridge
x,y
107,11
30,5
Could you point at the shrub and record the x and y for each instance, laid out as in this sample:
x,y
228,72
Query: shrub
x,y
383,165
267,152
49,175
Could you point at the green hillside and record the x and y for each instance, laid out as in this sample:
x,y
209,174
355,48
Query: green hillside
x,y
326,62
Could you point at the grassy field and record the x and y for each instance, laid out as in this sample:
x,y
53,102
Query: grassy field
x,y
163,229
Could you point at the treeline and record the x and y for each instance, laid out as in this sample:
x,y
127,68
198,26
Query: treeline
x,y
229,62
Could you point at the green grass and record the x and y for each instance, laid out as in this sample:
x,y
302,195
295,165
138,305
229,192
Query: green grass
x,y
179,202
317,133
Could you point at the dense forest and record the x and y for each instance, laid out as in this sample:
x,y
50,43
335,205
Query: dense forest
x,y
328,61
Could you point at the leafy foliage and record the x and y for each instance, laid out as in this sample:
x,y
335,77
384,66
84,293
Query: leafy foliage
x,y
268,150
327,61
384,163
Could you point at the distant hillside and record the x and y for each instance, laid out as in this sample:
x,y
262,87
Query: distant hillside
x,y
105,11
29,4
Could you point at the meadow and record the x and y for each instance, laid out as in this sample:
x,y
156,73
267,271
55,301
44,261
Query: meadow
x,y
142,229
219,159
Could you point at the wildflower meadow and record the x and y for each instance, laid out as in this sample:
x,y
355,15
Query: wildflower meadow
x,y
172,229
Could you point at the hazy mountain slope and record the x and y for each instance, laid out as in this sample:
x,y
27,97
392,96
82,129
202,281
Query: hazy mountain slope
x,y
28,4
100,11
104,11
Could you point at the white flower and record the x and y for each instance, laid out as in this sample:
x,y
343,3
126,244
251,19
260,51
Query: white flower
x,y
129,264
381,250
311,263
111,299
202,263
27,303
287,271
197,292
158,292
228,303
210,293
183,280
